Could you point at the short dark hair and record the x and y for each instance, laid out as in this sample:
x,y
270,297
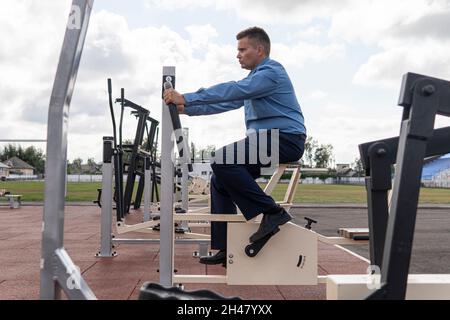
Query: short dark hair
x,y
257,34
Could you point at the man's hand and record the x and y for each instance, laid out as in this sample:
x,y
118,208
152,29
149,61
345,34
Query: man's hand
x,y
172,96
180,108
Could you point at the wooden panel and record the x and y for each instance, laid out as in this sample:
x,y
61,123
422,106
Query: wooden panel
x,y
420,287
277,262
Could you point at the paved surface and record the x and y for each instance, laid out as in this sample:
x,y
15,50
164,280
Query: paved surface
x,y
122,277
431,251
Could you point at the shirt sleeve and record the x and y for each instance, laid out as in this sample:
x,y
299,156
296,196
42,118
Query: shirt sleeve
x,y
207,109
261,83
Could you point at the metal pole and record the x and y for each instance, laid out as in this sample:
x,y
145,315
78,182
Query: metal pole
x,y
106,245
147,189
53,255
185,176
167,168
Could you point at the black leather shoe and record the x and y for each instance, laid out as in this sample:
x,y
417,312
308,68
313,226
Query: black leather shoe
x,y
219,258
269,223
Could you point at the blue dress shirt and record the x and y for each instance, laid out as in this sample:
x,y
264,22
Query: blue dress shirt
x,y
267,94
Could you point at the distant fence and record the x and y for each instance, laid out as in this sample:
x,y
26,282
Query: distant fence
x,y
84,178
440,180
310,180
17,177
436,183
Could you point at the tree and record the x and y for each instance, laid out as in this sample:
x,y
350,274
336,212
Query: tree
x,y
193,152
358,166
75,167
323,155
93,168
207,152
310,147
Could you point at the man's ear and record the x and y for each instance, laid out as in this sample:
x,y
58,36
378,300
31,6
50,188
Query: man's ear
x,y
260,49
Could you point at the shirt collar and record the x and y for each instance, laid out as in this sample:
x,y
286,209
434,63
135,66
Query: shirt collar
x,y
265,61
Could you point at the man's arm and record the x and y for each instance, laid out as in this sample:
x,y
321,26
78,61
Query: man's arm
x,y
207,109
257,85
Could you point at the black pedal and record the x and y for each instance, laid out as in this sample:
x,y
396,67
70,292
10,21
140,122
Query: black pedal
x,y
180,231
177,229
254,248
309,223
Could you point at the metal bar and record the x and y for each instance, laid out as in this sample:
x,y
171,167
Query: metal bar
x,y
400,229
377,186
157,241
140,130
436,146
106,200
147,190
141,186
414,135
166,263
185,181
69,277
57,127
200,279
185,175
209,217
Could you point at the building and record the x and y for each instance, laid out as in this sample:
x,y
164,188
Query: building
x,y
436,172
344,170
19,167
202,170
4,171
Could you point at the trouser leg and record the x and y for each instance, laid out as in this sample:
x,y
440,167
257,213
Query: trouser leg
x,y
221,203
234,184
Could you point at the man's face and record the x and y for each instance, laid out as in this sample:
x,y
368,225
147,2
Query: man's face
x,y
249,54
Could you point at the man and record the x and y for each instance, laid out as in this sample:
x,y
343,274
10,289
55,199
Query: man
x,y
270,104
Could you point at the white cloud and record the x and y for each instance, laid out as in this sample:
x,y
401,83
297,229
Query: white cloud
x,y
298,54
407,33
31,34
133,58
201,35
386,69
262,11
316,95
173,5
409,36
396,37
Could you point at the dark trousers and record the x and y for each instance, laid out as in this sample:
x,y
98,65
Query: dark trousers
x,y
234,184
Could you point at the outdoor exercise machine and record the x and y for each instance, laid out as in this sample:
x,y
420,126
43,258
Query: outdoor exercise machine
x,y
59,273
392,225
290,258
141,156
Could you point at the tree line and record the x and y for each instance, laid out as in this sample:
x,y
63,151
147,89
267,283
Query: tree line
x,y
315,155
31,155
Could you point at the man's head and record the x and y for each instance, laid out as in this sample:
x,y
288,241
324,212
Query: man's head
x,y
253,47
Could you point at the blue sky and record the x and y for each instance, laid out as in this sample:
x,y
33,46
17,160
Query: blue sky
x,y
345,59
